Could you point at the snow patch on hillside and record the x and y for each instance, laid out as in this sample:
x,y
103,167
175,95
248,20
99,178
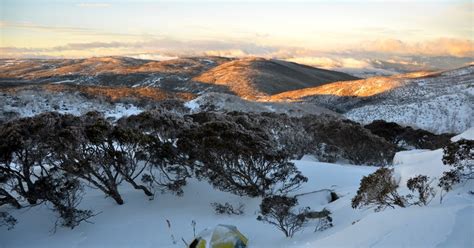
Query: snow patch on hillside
x,y
193,105
468,134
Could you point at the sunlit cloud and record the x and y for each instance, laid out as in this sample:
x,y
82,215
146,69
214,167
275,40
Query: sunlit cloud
x,y
389,54
226,53
93,5
436,47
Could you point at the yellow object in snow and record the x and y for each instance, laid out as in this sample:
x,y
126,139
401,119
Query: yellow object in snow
x,y
222,236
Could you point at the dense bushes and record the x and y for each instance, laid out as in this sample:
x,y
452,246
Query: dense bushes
x,y
50,157
326,137
407,137
346,140
238,160
29,174
45,159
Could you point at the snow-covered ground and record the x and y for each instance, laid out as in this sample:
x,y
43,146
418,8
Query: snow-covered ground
x,y
142,223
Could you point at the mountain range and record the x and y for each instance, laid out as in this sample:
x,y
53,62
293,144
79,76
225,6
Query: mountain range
x,y
438,101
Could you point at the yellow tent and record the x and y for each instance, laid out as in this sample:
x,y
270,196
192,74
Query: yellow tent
x,y
222,236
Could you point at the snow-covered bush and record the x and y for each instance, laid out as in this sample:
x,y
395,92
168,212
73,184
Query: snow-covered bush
x,y
421,185
7,220
378,189
227,208
460,157
279,211
324,221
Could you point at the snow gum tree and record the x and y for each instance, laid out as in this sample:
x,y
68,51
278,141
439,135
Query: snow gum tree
x,y
89,153
421,185
460,157
166,169
28,174
237,160
378,189
279,211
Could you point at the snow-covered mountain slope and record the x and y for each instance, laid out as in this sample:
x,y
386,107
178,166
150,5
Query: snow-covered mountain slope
x,y
355,88
227,103
33,102
142,223
434,101
440,103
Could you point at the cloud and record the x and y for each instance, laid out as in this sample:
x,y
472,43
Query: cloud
x,y
90,45
227,53
331,63
184,48
93,5
323,62
391,54
156,48
151,56
436,47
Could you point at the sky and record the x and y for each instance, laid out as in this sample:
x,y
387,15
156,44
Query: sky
x,y
334,33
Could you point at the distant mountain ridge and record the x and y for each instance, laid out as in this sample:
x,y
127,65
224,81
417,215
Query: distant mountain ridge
x,y
252,78
248,77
